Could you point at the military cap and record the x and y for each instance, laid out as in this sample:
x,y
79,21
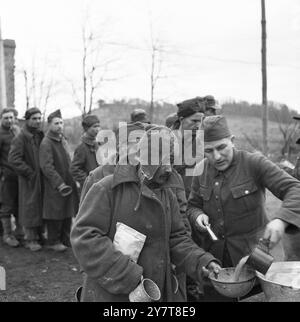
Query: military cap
x,y
31,111
210,102
215,128
190,107
170,120
54,114
89,120
139,115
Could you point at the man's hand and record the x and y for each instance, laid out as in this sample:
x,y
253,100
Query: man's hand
x,y
211,267
201,222
274,231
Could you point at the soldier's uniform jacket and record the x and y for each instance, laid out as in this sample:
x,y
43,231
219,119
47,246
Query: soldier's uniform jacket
x,y
84,159
234,202
55,164
113,274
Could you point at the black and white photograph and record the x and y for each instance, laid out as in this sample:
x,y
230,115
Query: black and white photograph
x,y
149,152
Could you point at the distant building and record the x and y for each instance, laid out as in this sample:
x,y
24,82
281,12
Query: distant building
x,y
9,47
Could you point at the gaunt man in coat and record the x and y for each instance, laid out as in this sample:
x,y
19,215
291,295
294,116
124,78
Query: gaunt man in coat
x,y
84,159
137,198
60,198
24,158
229,194
175,182
9,179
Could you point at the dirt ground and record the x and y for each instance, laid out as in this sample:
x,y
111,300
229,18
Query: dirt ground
x,y
43,276
46,276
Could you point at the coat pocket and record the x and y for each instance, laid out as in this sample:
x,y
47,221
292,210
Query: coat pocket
x,y
246,193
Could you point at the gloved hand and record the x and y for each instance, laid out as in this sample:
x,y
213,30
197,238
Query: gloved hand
x,y
274,231
201,222
211,267
65,190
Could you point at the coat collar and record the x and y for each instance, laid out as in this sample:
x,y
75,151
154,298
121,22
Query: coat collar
x,y
29,134
125,173
91,142
53,136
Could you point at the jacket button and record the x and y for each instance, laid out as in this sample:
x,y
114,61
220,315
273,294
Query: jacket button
x,y
217,183
217,197
246,192
148,226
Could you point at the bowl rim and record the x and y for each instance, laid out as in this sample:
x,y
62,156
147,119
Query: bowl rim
x,y
261,276
250,279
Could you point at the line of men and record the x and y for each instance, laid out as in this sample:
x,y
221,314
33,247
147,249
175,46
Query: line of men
x,y
170,211
173,208
38,181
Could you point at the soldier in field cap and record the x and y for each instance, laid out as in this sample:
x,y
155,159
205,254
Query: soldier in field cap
x,y
228,193
60,198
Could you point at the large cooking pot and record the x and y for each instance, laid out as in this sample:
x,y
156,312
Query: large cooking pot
x,y
282,282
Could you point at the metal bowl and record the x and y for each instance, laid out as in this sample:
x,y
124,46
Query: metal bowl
x,y
225,284
277,283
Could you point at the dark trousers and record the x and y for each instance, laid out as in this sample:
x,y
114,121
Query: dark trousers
x,y
58,231
34,234
9,194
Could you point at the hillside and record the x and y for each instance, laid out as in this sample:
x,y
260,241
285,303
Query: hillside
x,y
246,127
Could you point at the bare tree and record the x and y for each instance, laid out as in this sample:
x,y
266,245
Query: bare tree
x,y
253,141
26,89
39,87
157,50
94,66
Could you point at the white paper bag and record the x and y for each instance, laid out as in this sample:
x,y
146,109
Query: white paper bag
x,y
129,241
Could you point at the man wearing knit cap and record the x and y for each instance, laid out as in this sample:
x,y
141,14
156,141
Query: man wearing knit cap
x,y
84,159
24,159
129,228
139,115
61,197
8,178
228,193
190,115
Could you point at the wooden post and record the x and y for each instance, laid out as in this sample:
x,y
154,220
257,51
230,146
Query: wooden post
x,y
265,113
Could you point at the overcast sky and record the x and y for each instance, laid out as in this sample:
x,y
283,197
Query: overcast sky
x,y
208,47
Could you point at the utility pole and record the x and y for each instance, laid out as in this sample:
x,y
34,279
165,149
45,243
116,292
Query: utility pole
x,y
3,98
265,114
